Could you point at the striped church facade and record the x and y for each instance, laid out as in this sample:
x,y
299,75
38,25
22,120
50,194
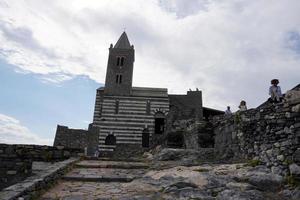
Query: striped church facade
x,y
130,119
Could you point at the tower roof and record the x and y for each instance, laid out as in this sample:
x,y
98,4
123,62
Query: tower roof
x,y
123,42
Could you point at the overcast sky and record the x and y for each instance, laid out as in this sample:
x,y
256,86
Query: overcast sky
x,y
58,50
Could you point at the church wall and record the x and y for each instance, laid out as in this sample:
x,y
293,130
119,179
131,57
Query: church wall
x,y
131,120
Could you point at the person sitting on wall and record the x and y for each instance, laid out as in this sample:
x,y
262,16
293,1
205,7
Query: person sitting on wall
x,y
275,92
228,111
243,106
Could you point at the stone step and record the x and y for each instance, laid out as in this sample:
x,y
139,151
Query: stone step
x,y
123,142
107,146
111,164
98,178
105,150
137,160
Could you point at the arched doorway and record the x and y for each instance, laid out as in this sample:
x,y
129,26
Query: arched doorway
x,y
110,140
145,138
159,123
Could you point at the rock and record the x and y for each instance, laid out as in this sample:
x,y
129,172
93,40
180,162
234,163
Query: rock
x,y
276,170
182,184
269,152
169,154
191,193
148,156
296,156
294,169
277,144
296,194
292,97
178,186
265,181
239,185
75,197
280,157
238,195
296,108
186,155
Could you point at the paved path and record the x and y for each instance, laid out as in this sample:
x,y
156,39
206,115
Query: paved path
x,y
100,180
106,180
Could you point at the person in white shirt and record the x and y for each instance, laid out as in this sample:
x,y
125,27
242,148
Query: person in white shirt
x,y
275,92
228,111
243,106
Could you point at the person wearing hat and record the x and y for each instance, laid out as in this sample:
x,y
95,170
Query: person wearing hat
x,y
275,92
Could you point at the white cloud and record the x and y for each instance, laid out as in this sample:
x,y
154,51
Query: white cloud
x,y
12,132
228,49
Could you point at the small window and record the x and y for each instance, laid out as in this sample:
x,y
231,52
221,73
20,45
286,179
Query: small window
x,y
117,107
119,78
122,61
118,61
148,108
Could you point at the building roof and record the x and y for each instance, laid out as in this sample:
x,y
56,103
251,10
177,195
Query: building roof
x,y
123,42
149,92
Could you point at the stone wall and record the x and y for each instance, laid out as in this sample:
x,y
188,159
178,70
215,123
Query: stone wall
x,y
77,138
13,170
16,160
37,152
270,134
199,135
70,137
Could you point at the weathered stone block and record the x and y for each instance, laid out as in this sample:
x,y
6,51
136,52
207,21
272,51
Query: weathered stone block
x,y
294,169
296,156
11,172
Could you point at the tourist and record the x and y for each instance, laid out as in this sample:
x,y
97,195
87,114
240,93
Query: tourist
x,y
228,111
96,153
243,106
275,92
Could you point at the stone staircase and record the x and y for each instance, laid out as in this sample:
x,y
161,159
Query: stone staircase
x,y
105,170
93,178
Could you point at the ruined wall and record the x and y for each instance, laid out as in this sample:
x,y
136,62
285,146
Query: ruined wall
x,y
16,160
37,152
77,138
270,134
13,170
72,138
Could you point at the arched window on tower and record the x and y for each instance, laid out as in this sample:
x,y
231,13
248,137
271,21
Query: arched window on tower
x,y
122,61
118,61
119,78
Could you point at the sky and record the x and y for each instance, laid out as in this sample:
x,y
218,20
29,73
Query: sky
x,y
53,55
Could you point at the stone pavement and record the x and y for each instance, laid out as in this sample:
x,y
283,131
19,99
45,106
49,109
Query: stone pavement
x,y
94,180
91,179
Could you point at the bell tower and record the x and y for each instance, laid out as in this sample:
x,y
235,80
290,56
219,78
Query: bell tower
x,y
119,70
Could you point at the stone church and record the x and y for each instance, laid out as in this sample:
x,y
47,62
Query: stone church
x,y
131,116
